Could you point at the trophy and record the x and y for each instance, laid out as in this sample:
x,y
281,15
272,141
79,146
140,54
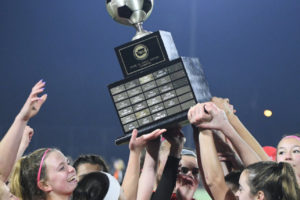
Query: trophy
x,y
159,86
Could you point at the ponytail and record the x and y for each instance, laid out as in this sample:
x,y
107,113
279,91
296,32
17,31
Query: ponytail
x,y
288,181
276,180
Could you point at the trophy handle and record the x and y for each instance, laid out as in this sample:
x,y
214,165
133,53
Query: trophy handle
x,y
140,32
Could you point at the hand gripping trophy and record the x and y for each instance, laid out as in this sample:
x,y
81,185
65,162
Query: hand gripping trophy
x,y
159,86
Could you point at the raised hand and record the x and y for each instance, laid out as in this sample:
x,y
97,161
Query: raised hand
x,y
27,136
198,114
207,116
176,138
139,143
33,102
223,103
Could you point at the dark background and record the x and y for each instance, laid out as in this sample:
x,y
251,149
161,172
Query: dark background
x,y
250,51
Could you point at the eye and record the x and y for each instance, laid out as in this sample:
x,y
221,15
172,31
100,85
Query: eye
x,y
62,168
280,153
195,171
184,170
296,151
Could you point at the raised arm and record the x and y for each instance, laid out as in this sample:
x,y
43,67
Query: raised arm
x,y
239,127
136,145
26,138
220,122
10,143
148,175
167,182
208,159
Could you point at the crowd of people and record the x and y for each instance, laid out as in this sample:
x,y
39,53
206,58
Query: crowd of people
x,y
228,161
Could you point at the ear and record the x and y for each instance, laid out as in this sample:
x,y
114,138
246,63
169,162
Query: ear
x,y
44,186
260,195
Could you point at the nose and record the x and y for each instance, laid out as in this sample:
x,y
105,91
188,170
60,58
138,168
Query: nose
x,y
71,168
288,156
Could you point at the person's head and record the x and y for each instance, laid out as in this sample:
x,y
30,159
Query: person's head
x,y
188,171
267,181
232,180
98,186
288,150
85,164
14,182
4,192
46,173
119,164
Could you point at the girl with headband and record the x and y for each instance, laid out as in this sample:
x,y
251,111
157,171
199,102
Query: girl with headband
x,y
288,150
46,174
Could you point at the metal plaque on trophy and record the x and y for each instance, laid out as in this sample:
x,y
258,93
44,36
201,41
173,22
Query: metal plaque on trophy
x,y
158,87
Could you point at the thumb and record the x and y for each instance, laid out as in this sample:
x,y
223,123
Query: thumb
x,y
133,135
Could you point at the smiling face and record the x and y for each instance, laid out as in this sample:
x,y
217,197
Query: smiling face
x,y
288,150
61,177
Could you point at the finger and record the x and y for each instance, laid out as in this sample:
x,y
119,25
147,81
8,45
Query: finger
x,y
189,115
38,85
154,134
37,91
133,135
41,100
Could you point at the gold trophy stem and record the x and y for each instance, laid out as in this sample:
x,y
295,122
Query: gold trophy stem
x,y
140,32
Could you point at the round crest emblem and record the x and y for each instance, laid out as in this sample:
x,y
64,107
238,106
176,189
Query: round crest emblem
x,y
140,52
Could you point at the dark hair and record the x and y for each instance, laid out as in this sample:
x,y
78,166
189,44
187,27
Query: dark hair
x,y
232,180
28,175
91,159
92,186
276,180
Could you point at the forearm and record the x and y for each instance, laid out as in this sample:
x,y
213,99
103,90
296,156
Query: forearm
x,y
247,136
131,178
246,153
168,180
212,168
196,134
9,147
147,178
210,162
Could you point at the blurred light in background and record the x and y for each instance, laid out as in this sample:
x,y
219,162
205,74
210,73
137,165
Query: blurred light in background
x,y
268,113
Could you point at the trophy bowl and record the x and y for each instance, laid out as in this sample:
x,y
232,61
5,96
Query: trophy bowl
x,y
131,13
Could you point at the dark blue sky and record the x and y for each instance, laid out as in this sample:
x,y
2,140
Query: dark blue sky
x,y
250,51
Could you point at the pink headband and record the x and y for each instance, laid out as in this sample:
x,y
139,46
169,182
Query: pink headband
x,y
41,165
293,136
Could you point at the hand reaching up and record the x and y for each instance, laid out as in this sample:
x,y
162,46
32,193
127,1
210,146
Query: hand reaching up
x,y
33,102
26,138
207,116
176,138
223,103
139,143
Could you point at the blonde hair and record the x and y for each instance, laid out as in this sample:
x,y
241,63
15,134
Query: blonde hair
x,y
14,183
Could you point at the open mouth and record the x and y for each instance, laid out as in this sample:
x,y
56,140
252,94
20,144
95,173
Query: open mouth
x,y
188,180
72,179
